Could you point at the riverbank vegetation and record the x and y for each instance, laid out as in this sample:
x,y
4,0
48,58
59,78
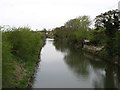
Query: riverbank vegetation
x,y
21,46
20,54
74,31
106,34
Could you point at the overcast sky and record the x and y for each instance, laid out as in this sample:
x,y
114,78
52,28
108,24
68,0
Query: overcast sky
x,y
39,14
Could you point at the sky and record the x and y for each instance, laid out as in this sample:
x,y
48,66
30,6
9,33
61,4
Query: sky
x,y
40,14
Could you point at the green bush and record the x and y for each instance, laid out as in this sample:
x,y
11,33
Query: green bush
x,y
20,51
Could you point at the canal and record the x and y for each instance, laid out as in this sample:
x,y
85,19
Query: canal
x,y
64,67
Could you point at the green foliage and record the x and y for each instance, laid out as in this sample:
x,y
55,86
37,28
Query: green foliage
x,y
106,33
7,63
110,23
74,31
24,43
97,37
117,43
20,53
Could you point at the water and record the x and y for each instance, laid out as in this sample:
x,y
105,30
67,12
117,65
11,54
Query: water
x,y
64,67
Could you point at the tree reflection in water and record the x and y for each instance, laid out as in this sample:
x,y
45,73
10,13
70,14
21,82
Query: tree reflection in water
x,y
82,64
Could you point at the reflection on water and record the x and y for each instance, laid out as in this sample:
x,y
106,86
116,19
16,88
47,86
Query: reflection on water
x,y
64,67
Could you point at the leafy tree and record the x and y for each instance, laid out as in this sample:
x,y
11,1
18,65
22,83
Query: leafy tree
x,y
74,31
108,21
78,23
97,37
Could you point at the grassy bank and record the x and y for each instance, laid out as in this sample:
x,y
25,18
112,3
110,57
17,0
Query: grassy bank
x,y
20,54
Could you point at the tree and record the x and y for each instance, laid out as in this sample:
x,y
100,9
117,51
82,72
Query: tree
x,y
78,23
110,23
74,31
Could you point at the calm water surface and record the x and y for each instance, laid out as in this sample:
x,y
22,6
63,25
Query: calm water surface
x,y
64,67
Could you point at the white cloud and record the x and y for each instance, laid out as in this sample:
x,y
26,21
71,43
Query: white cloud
x,y
39,14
